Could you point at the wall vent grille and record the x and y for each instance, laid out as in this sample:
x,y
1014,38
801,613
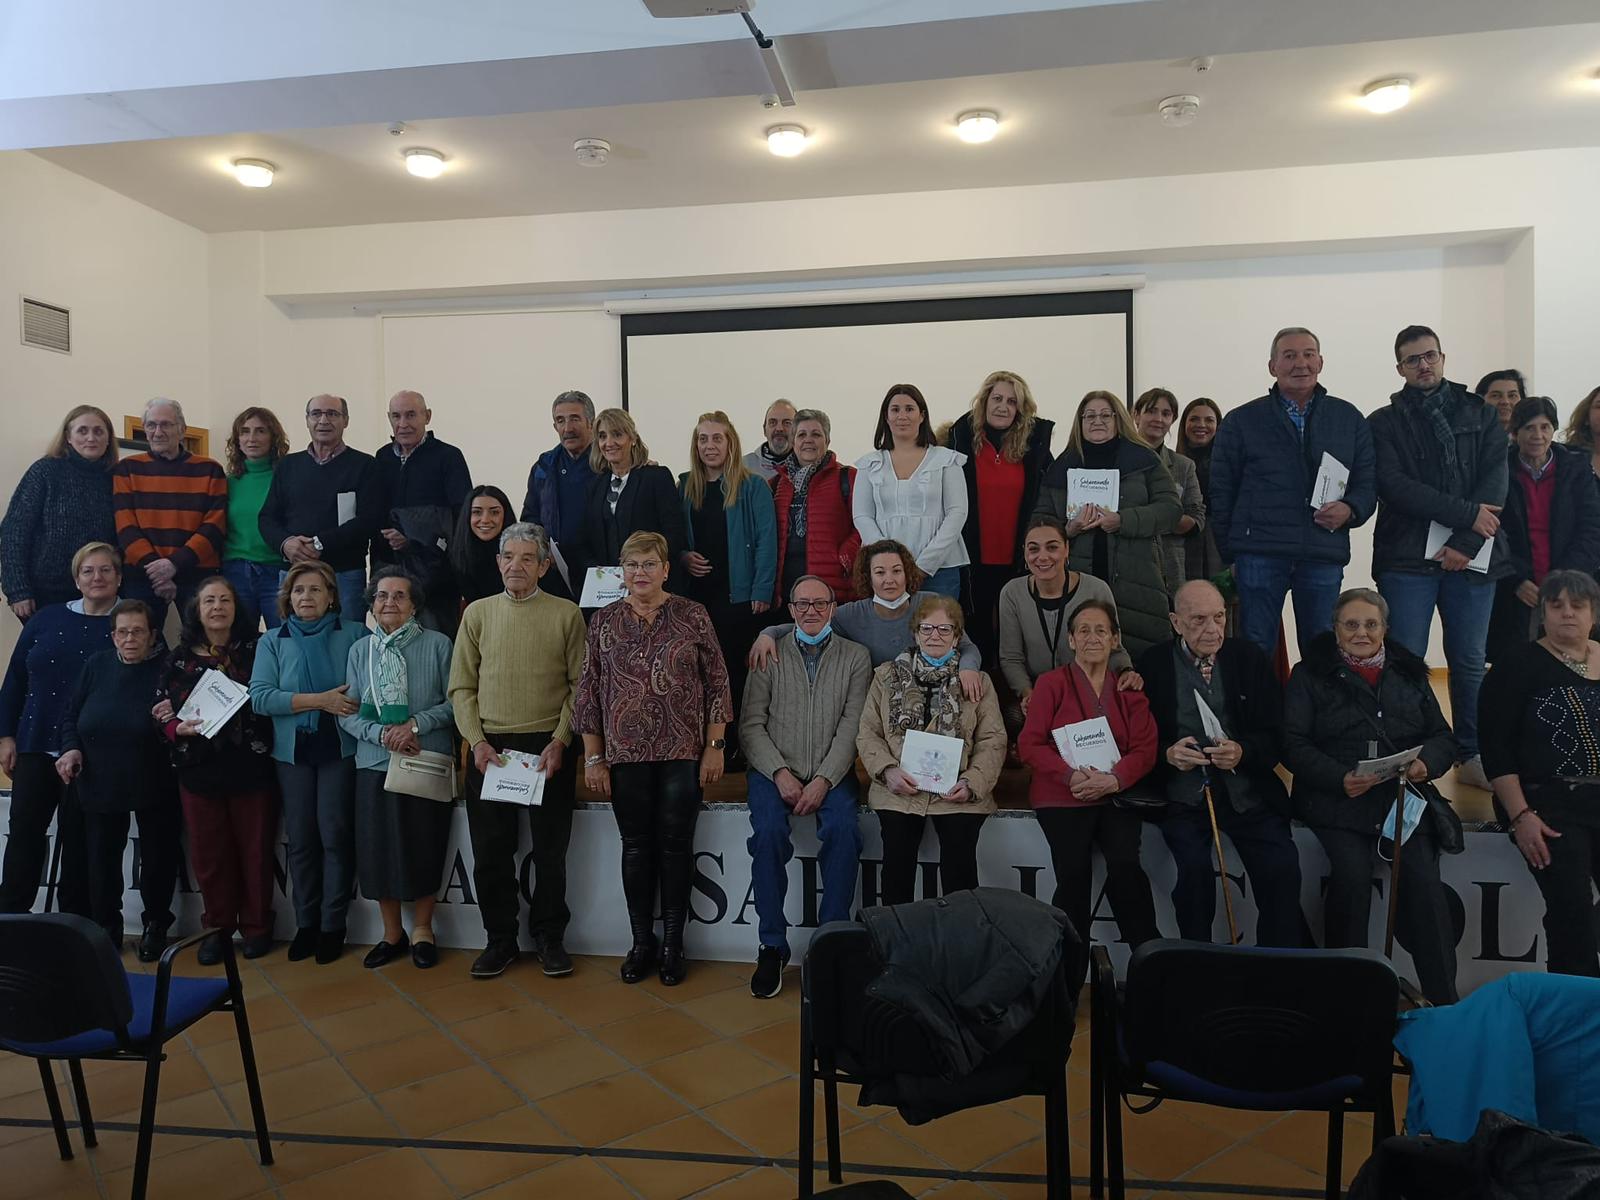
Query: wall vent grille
x,y
47,326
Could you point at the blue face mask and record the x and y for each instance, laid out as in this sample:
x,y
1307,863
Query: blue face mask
x,y
938,662
807,639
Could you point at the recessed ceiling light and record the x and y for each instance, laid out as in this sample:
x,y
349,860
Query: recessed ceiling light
x,y
1387,95
786,140
424,164
978,126
1178,111
253,172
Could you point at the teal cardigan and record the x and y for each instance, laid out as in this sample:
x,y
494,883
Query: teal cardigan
x,y
427,693
752,539
277,664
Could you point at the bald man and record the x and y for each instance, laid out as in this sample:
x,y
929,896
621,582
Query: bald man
x,y
777,426
1232,678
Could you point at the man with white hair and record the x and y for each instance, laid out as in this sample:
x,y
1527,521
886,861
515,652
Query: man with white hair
x,y
778,428
558,484
171,511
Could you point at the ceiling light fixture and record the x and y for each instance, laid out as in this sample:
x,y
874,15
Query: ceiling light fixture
x,y
424,164
1387,95
978,126
253,172
786,140
592,152
1178,111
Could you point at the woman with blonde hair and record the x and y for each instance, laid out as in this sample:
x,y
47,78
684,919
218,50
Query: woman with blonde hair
x,y
1007,449
62,503
256,444
629,494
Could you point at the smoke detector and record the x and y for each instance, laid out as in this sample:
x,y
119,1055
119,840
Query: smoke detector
x,y
591,152
1178,111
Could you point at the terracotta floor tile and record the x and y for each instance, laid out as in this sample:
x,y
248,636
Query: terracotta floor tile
x,y
1029,1160
657,1179
558,1066
599,1004
339,995
734,1011
644,1039
297,1090
419,1056
264,1012
1302,1138
877,1147
762,1183
394,1175
1248,1165
767,1119
385,1021
1237,1123
601,1112
470,998
34,1167
575,1177
30,1106
711,1074
1163,1145
704,979
497,1034
444,1101
967,1139
780,1043
121,1090
202,1110
218,1170
355,1118
469,1171
274,1050
20,1076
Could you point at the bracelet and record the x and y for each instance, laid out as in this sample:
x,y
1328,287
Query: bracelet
x,y
1519,817
594,760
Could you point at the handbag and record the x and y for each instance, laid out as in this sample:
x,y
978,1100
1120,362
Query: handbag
x,y
427,774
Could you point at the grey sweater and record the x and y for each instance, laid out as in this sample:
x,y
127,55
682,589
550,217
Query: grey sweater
x,y
883,639
789,720
1024,649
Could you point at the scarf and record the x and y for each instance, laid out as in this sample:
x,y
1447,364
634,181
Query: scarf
x,y
800,476
775,461
388,696
1432,406
923,696
317,670
1368,668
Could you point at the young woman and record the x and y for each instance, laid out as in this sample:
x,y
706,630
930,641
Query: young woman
x,y
255,445
476,545
1583,429
1503,391
1197,431
1154,413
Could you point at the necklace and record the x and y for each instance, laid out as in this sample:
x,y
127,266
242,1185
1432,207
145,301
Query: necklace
x,y
1579,666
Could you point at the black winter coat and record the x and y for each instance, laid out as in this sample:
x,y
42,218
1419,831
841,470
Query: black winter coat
x,y
650,502
1035,462
1331,717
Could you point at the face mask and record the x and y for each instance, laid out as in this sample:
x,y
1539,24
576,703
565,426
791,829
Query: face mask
x,y
940,661
801,636
1415,806
900,603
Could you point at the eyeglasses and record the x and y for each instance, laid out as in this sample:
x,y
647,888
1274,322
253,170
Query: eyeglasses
x,y
160,426
323,414
1098,417
939,630
1412,361
647,565
810,606
1371,626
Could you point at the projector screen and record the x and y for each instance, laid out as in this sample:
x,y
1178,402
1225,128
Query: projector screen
x,y
842,359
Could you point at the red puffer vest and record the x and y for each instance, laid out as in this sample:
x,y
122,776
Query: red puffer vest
x,y
831,537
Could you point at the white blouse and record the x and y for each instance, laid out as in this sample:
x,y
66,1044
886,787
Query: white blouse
x,y
925,513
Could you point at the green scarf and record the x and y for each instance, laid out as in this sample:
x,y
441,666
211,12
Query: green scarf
x,y
388,697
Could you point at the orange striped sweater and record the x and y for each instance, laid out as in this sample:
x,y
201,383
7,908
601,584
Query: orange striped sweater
x,y
176,508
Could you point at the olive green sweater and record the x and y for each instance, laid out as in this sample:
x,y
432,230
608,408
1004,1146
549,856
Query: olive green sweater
x,y
516,666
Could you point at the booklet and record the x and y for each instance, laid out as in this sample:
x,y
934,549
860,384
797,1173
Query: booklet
x,y
1088,744
1094,487
1439,534
345,502
213,702
932,760
1333,477
601,586
516,779
1389,767
1208,719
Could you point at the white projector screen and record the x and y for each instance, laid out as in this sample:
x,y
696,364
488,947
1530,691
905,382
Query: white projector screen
x,y
843,358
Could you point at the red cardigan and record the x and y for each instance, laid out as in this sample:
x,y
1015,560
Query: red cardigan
x,y
831,537
1062,697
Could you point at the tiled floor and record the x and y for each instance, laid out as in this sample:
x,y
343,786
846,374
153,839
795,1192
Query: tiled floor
x,y
402,1083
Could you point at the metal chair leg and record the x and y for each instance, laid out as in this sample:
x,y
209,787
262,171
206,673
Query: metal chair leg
x,y
252,1081
830,1114
81,1095
1057,1146
1111,1097
808,1118
147,1123
1096,1112
52,1100
1333,1189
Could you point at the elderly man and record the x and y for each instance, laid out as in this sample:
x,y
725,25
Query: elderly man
x,y
516,666
798,726
325,502
778,428
558,485
171,511
423,483
1233,679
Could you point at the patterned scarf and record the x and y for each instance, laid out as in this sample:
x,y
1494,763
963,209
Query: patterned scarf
x,y
318,671
1375,663
1432,406
388,696
800,477
921,694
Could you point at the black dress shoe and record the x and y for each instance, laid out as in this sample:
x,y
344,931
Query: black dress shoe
x,y
255,947
210,952
494,960
424,955
304,944
386,952
641,959
152,942
554,956
674,967
330,945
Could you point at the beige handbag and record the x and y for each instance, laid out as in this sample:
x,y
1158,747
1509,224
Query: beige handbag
x,y
427,774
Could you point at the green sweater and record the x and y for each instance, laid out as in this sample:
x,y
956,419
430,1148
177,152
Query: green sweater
x,y
245,496
516,666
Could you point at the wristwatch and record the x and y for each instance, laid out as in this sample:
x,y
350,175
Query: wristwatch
x,y
415,728
594,760
720,743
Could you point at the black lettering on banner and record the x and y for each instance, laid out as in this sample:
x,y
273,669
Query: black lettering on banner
x,y
1028,880
457,879
749,902
810,889
1489,926
709,888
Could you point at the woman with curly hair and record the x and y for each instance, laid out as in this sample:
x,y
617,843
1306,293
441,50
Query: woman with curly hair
x,y
255,445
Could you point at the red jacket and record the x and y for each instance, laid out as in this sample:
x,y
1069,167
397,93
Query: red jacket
x,y
831,537
1063,697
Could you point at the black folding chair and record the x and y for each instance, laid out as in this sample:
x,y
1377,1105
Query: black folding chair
x,y
848,1037
65,995
1242,1027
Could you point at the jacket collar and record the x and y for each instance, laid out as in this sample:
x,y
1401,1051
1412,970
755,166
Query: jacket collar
x,y
1323,658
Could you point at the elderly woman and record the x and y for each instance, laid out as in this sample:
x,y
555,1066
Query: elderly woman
x,y
811,494
225,781
1119,547
652,706
110,747
399,676
256,443
1540,712
1551,520
299,681
629,494
920,689
40,681
475,549
1076,805
1358,695
62,502
1154,413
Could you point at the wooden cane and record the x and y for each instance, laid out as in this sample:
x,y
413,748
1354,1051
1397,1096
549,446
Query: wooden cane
x,y
1394,865
1222,863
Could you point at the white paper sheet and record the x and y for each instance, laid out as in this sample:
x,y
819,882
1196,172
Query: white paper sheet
x,y
515,780
601,586
932,760
1208,719
347,507
213,702
1088,744
1333,477
1094,487
1439,534
1389,767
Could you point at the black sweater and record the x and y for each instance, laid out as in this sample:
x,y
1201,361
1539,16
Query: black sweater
x,y
1539,720
434,475
303,501
125,763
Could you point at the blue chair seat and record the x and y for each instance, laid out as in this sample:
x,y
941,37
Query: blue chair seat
x,y
188,1000
1182,1085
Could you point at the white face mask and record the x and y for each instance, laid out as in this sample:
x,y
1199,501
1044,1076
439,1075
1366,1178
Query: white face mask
x,y
898,603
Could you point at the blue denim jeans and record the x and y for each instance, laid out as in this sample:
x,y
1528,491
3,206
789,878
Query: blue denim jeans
x,y
352,593
771,848
257,586
946,581
1264,580
1465,600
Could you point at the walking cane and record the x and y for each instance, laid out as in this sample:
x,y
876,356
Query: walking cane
x,y
1222,863
1394,865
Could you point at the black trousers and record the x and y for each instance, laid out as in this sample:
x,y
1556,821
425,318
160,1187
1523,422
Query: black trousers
x,y
1422,924
493,828
1266,848
1568,904
656,805
37,794
958,852
1073,833
736,628
984,587
160,851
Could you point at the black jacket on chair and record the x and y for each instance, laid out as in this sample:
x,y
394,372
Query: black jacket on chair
x,y
1330,718
649,502
1035,462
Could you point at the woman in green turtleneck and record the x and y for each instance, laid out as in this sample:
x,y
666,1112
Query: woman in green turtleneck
x,y
255,446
